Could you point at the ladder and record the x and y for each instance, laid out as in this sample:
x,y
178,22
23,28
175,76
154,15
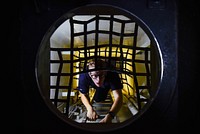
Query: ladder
x,y
102,108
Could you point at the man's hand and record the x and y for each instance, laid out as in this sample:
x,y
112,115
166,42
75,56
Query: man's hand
x,y
92,115
106,119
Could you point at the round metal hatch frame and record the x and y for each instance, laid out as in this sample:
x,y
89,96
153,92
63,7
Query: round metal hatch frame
x,y
43,60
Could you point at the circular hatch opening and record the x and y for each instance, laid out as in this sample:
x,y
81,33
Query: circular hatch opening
x,y
98,32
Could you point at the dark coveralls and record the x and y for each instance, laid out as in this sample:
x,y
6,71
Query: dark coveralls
x,y
112,81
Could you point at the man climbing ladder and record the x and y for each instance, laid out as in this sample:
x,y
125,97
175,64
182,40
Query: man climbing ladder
x,y
102,81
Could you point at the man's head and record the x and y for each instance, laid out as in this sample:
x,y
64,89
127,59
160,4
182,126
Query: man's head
x,y
98,76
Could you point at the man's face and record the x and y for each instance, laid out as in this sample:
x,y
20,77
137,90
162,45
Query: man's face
x,y
98,77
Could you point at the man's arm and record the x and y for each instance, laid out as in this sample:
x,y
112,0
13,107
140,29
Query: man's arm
x,y
91,113
118,101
